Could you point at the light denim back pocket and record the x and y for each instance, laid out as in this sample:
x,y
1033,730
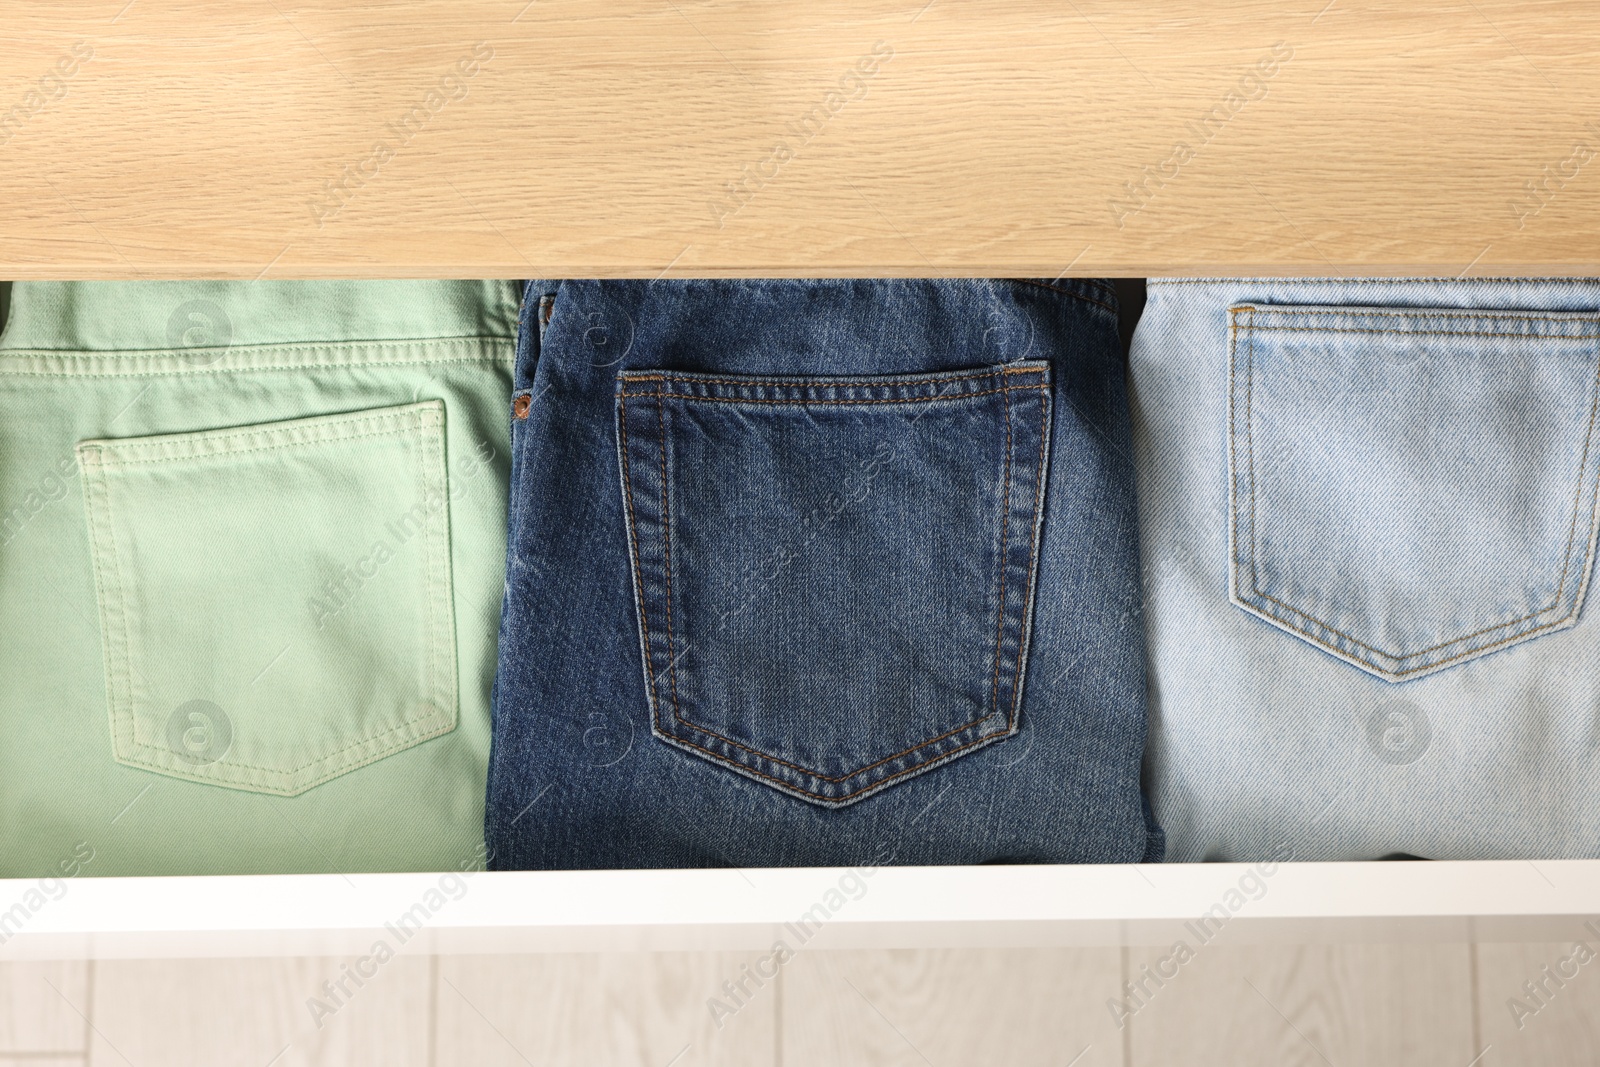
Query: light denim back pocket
x,y
1412,487
834,576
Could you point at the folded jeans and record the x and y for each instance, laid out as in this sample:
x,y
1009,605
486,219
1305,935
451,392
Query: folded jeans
x,y
819,573
1368,516
251,543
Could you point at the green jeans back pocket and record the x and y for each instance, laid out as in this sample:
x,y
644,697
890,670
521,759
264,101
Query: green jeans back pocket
x,y
275,600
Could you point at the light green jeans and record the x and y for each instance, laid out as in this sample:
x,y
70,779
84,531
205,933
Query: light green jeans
x,y
251,562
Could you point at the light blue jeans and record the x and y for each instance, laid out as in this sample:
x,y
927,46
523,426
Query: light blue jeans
x,y
1368,513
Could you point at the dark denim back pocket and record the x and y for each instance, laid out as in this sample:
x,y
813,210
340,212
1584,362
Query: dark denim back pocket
x,y
834,576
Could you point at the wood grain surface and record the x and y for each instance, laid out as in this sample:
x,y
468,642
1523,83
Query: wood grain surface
x,y
1423,1003
1388,1005
43,1010
1012,1007
583,1009
288,138
1540,1003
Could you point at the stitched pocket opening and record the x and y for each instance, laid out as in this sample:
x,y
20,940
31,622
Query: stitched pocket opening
x,y
275,600
834,576
1412,488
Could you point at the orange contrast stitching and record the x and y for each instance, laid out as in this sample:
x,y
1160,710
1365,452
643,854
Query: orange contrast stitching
x,y
1005,562
846,796
821,383
638,578
677,712
824,402
666,546
842,777
1033,558
672,668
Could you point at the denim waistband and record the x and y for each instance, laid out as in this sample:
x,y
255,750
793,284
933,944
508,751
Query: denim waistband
x,y
1494,293
1097,291
926,306
155,317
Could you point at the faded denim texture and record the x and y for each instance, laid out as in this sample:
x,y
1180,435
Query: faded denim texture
x,y
1368,513
819,573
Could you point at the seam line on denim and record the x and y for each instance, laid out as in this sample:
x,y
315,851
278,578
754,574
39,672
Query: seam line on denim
x,y
1379,280
868,787
440,720
1033,559
623,397
912,382
1068,292
1427,333
1004,561
835,403
1250,327
408,423
1356,311
677,714
666,547
654,692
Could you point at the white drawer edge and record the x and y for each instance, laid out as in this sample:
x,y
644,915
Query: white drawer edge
x,y
809,907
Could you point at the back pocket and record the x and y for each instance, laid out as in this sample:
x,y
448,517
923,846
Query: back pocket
x,y
834,576
1412,487
275,600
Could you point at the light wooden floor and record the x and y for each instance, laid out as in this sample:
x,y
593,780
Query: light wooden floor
x,y
1426,1004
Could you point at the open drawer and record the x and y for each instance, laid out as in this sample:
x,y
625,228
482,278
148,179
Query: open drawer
x,y
481,139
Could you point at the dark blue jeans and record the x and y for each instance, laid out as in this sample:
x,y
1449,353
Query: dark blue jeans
x,y
809,573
